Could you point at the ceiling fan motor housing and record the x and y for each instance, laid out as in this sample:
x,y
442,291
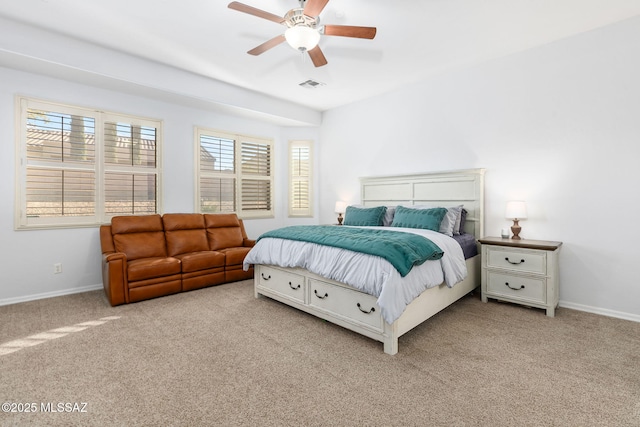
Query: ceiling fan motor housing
x,y
297,17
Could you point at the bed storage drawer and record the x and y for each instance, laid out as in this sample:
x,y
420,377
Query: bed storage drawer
x,y
343,302
532,289
517,260
287,284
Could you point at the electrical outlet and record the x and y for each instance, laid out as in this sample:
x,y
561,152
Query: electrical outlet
x,y
57,268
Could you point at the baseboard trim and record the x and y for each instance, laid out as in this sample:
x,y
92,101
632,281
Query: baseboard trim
x,y
601,311
34,297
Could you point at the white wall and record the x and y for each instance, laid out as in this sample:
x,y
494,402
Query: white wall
x,y
557,126
27,257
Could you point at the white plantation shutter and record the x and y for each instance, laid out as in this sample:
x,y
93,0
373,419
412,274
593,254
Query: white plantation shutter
x,y
217,172
256,178
130,194
57,192
129,144
130,163
78,167
217,195
58,167
300,167
234,174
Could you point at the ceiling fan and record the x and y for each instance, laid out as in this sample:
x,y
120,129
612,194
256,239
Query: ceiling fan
x,y
303,29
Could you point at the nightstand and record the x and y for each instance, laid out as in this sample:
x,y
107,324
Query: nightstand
x,y
521,271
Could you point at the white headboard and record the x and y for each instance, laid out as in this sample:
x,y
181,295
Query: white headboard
x,y
452,188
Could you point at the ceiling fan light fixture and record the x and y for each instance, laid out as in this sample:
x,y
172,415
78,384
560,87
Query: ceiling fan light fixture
x,y
302,37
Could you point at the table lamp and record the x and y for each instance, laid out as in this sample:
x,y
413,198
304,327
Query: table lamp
x,y
339,209
516,210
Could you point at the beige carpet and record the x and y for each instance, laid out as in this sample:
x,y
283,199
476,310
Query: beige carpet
x,y
220,357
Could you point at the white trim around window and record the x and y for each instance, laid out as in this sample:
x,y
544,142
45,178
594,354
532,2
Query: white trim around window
x,y
234,173
78,167
300,179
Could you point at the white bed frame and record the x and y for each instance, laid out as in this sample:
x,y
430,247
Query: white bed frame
x,y
294,286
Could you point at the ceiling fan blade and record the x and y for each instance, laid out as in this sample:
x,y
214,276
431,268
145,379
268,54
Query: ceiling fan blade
x,y
241,7
350,31
267,45
317,57
313,8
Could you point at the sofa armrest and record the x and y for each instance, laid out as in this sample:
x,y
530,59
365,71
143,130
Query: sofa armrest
x,y
114,277
246,242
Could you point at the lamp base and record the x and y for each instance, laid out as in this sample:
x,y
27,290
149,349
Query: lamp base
x,y
340,219
515,229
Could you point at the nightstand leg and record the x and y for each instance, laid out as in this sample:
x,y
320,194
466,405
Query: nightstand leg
x,y
551,312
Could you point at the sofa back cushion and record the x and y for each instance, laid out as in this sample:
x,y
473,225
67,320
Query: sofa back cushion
x,y
139,236
106,239
223,231
185,233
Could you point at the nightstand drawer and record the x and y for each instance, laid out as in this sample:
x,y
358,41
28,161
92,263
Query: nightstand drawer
x,y
512,286
529,261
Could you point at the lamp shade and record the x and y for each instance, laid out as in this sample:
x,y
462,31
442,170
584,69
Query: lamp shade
x,y
340,207
516,209
302,37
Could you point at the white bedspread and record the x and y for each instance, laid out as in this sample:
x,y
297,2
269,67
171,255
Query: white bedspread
x,y
370,274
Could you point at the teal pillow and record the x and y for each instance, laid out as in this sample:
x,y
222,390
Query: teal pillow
x,y
364,216
428,219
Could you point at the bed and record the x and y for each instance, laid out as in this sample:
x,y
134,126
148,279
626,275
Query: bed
x,y
363,307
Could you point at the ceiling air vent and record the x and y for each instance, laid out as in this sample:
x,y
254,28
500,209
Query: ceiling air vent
x,y
311,84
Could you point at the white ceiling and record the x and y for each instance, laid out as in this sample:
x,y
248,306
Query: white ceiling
x,y
415,39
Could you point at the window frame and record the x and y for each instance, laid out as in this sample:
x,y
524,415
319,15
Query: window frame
x,y
293,212
22,105
238,176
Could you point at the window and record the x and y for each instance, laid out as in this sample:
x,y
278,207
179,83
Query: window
x,y
300,168
234,174
80,167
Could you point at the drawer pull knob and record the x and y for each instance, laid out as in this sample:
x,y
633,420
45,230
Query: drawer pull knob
x,y
265,278
515,289
366,312
315,291
295,288
511,262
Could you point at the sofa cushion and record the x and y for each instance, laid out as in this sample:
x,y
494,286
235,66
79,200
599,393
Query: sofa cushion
x,y
223,231
148,268
198,261
186,241
182,221
235,256
141,245
221,220
139,236
185,233
136,224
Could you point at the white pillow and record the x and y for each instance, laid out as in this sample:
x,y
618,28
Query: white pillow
x,y
388,216
456,228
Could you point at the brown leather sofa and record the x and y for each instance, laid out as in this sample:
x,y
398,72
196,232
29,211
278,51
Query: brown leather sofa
x,y
150,256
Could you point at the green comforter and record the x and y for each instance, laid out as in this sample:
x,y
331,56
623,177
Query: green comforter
x,y
402,250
